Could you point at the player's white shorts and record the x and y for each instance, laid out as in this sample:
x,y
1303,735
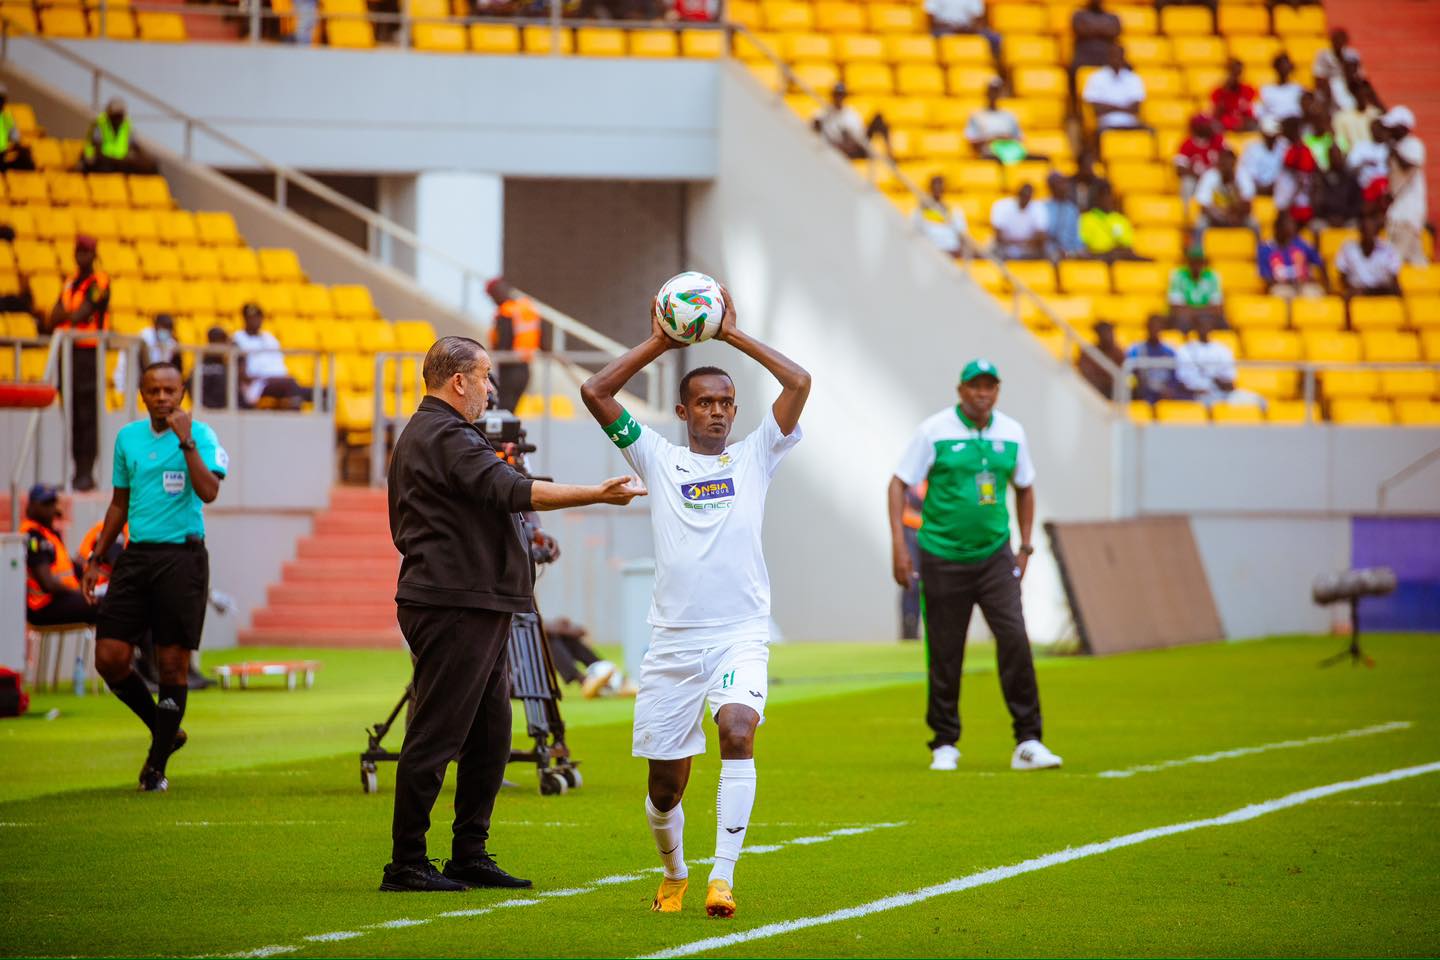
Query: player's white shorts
x,y
677,682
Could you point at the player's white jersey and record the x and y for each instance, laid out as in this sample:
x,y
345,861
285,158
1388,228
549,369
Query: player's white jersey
x,y
706,513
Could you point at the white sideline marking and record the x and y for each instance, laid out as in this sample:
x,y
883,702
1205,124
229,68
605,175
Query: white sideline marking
x,y
1262,748
332,937
398,924
274,949
996,874
253,823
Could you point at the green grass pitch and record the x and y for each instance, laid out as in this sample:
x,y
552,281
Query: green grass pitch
x,y
265,844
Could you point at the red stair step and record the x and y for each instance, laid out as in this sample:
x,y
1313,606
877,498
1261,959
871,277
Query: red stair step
x,y
345,547
319,637
329,616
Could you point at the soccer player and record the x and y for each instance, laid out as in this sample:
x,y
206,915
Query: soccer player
x,y
166,469
711,608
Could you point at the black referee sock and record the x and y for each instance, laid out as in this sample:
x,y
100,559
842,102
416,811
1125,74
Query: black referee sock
x,y
168,713
134,694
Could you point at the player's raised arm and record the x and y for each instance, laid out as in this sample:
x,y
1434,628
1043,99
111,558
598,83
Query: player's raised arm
x,y
794,379
599,391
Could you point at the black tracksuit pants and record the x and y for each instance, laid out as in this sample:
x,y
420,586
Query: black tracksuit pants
x,y
462,712
951,591
83,399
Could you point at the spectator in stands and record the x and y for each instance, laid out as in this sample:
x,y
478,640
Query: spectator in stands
x,y
1281,100
1086,184
1338,198
1115,92
157,345
1020,226
1333,63
1063,218
1097,33
52,590
263,372
306,17
516,328
1233,102
963,17
1199,152
109,147
1354,124
1158,382
1106,232
1224,194
995,133
945,227
1316,130
843,128
1194,290
1405,220
14,155
1263,159
214,374
1368,267
83,307
1289,266
1091,369
1296,186
1206,368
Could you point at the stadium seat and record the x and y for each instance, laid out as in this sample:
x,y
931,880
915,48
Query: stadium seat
x,y
1162,82
859,48
1269,382
703,44
968,50
1038,275
494,38
832,17
817,75
279,265
602,41
1023,50
160,27
1157,243
1140,278
1237,414
543,40
1291,412
869,78
1361,413
1420,280
198,263
1200,50
909,48
1136,21
1155,210
1417,413
986,275
1140,411
1238,276
1123,309
1247,311
1181,412
1127,145
967,80
144,191
1171,113
1035,81
1230,243
416,336
1189,21
1274,345
785,16
1317,313
1423,311
352,301
439,38
1300,20
1148,51
807,46
1368,313
1080,276
919,79
1018,18
64,23
894,18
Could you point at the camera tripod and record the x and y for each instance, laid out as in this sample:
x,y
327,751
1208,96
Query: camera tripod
x,y
1356,655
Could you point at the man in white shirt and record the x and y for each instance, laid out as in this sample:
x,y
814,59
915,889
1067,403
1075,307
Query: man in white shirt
x,y
1224,194
711,606
157,345
1020,225
1263,159
962,16
1281,100
1370,267
1115,92
841,125
985,127
1405,220
945,227
1206,368
262,365
1369,160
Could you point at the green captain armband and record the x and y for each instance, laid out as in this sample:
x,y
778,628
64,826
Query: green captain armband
x,y
624,431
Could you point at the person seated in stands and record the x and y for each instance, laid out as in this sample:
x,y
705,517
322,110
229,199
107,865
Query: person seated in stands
x,y
1224,194
945,227
1020,226
1354,122
1316,130
14,155
842,127
1338,198
1281,100
157,345
1206,368
1369,161
995,133
1263,159
1063,219
1158,382
214,375
109,147
1096,34
963,17
52,588
1233,102
262,366
1194,290
1116,93
1289,266
1106,232
1405,217
1090,368
1297,184
1086,184
1370,266
1198,153
1333,63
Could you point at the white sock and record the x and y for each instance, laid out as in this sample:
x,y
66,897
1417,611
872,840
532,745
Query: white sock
x,y
734,802
669,831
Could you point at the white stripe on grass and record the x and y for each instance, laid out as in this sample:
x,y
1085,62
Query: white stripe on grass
x,y
1262,748
996,874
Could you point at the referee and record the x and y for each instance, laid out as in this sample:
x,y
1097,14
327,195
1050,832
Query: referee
x,y
465,569
166,468
969,455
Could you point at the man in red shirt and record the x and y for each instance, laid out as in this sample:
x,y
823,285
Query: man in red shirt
x,y
1198,152
1234,100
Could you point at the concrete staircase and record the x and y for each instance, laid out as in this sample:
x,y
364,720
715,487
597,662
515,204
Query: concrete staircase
x,y
340,589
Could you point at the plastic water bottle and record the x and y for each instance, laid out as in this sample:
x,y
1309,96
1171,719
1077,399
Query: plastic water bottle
x,y
79,676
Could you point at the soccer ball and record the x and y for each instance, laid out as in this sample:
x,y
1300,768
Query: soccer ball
x,y
689,307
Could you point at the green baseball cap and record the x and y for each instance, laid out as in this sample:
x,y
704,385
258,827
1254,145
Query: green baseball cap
x,y
979,368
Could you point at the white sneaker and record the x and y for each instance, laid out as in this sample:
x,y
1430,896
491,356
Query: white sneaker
x,y
944,758
597,678
1033,755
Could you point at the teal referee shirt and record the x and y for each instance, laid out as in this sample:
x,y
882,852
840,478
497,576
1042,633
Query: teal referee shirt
x,y
164,507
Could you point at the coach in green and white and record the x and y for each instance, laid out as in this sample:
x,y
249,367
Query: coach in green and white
x,y
969,456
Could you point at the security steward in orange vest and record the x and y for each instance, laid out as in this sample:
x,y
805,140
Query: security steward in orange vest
x,y
517,327
910,597
52,591
86,554
84,304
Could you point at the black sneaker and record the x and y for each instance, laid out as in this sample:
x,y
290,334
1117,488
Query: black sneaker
x,y
152,780
405,877
482,871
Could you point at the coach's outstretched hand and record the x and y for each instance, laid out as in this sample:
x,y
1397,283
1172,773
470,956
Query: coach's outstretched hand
x,y
617,491
621,490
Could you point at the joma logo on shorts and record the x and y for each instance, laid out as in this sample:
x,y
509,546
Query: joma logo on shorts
x,y
708,489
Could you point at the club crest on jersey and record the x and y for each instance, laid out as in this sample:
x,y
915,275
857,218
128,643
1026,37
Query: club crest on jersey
x,y
708,489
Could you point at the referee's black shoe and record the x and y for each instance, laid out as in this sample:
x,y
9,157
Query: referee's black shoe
x,y
152,780
482,871
422,877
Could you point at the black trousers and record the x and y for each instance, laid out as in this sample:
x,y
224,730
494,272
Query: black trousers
x,y
951,591
514,378
462,711
567,649
65,606
84,412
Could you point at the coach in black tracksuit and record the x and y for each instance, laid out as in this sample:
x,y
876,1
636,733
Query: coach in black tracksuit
x,y
465,569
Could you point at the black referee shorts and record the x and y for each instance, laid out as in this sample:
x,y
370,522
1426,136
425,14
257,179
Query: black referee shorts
x,y
160,587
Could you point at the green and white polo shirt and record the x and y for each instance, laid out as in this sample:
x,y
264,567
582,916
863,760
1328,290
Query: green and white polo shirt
x,y
970,470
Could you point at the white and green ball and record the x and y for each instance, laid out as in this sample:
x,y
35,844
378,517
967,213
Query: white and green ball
x,y
690,307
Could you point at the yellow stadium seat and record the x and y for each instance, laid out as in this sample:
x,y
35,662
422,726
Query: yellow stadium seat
x,y
538,39
66,23
1135,21
1331,346
374,336
1238,276
1200,50
1300,20
157,261
231,297
155,297
139,225
1257,53
439,38
1290,412
1021,50
1081,276
415,336
1077,311
1317,313
785,16
859,48
702,44
987,276
1430,343
239,264
56,223
1423,311
1038,275
1248,312
1181,412
1033,172
1188,21
178,226
1236,20
217,228
144,191
745,13
1035,81
1349,383
33,256
1368,313
1270,382
1390,346
65,254
198,263
1146,51
1415,279
752,48
119,260
600,42
1157,243
20,19
1123,309
1230,243
277,298
968,81
1155,211
1360,413
907,111
338,338
818,75
942,144
833,17
1272,345
919,79
970,50
1162,81
911,48
869,78
1236,414
280,264
1410,384
1012,18
1127,145
352,300
494,38
192,298
807,46
67,189
1166,112
160,27
426,9
1140,411
1417,413
1201,81
23,186
47,154
1333,238
894,18
1140,278
975,176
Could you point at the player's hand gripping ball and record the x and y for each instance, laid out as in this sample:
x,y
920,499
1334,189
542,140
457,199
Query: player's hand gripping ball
x,y
689,307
